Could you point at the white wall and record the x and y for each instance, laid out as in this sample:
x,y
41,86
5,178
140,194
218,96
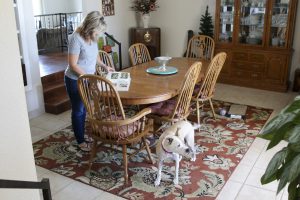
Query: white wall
x,y
34,92
16,153
175,18
61,6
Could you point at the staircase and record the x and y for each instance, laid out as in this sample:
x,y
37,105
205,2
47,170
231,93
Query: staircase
x,y
56,98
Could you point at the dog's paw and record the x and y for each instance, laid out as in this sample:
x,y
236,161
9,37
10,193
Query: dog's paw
x,y
193,158
175,181
157,182
179,158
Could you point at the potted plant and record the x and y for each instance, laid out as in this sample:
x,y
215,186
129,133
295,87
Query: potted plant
x,y
144,7
285,164
206,24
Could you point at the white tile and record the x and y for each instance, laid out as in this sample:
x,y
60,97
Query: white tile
x,y
254,193
284,197
264,159
40,172
65,116
108,196
250,157
38,133
48,122
57,182
78,191
259,144
240,173
254,180
229,191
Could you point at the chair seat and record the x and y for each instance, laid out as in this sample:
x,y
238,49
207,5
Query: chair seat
x,y
197,89
122,132
164,108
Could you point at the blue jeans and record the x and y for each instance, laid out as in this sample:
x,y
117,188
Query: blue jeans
x,y
78,110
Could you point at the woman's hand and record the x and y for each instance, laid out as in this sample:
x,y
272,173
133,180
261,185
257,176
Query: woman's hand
x,y
110,69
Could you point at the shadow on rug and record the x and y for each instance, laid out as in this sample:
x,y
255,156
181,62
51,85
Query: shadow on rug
x,y
220,145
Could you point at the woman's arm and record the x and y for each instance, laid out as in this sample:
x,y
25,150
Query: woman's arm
x,y
72,59
99,62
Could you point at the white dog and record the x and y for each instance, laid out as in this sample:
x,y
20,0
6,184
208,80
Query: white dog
x,y
175,142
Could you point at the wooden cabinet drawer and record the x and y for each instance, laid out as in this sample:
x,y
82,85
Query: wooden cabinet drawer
x,y
257,58
248,66
241,74
240,56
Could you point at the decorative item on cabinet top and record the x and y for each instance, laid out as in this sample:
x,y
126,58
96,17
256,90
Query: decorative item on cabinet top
x,y
147,37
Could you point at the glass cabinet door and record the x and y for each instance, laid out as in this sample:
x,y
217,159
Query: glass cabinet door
x,y
251,22
226,21
279,20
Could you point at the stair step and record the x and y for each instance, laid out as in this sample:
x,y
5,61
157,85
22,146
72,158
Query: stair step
x,y
52,78
53,86
57,104
54,91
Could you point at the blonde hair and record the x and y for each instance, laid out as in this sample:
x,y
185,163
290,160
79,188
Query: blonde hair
x,y
93,21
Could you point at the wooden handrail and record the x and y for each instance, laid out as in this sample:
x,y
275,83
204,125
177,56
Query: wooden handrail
x,y
16,184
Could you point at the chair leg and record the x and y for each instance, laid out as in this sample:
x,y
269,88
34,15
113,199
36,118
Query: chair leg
x,y
93,154
125,163
198,113
212,109
148,149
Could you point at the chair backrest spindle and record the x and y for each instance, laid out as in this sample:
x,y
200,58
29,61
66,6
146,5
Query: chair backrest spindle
x,y
138,54
201,46
181,110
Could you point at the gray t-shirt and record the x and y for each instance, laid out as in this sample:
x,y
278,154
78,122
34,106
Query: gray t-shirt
x,y
87,55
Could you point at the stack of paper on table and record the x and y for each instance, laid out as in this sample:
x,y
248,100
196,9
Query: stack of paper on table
x,y
121,80
237,111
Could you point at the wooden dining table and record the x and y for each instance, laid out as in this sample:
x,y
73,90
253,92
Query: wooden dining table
x,y
146,88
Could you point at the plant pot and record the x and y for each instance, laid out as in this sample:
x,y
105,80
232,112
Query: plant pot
x,y
145,20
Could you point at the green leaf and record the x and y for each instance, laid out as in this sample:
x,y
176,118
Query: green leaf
x,y
280,133
292,189
293,107
272,128
294,135
295,147
273,166
284,177
295,168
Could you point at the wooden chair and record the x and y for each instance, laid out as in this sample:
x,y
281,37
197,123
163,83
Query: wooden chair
x,y
138,54
201,46
106,59
177,108
205,90
107,118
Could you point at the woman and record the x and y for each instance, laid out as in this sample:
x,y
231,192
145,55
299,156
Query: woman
x,y
82,58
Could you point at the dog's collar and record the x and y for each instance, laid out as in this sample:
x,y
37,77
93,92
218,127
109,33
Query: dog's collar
x,y
162,146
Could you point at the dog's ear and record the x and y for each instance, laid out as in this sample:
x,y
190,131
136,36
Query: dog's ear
x,y
177,132
170,140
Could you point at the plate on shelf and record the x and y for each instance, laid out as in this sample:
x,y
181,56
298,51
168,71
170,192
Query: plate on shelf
x,y
158,70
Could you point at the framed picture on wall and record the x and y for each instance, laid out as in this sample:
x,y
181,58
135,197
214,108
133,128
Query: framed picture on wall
x,y
108,7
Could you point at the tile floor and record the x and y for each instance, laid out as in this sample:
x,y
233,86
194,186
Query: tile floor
x,y
244,184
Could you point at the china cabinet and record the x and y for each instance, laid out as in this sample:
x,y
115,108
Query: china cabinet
x,y
257,36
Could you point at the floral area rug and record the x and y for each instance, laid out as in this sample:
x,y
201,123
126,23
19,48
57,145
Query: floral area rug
x,y
220,145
